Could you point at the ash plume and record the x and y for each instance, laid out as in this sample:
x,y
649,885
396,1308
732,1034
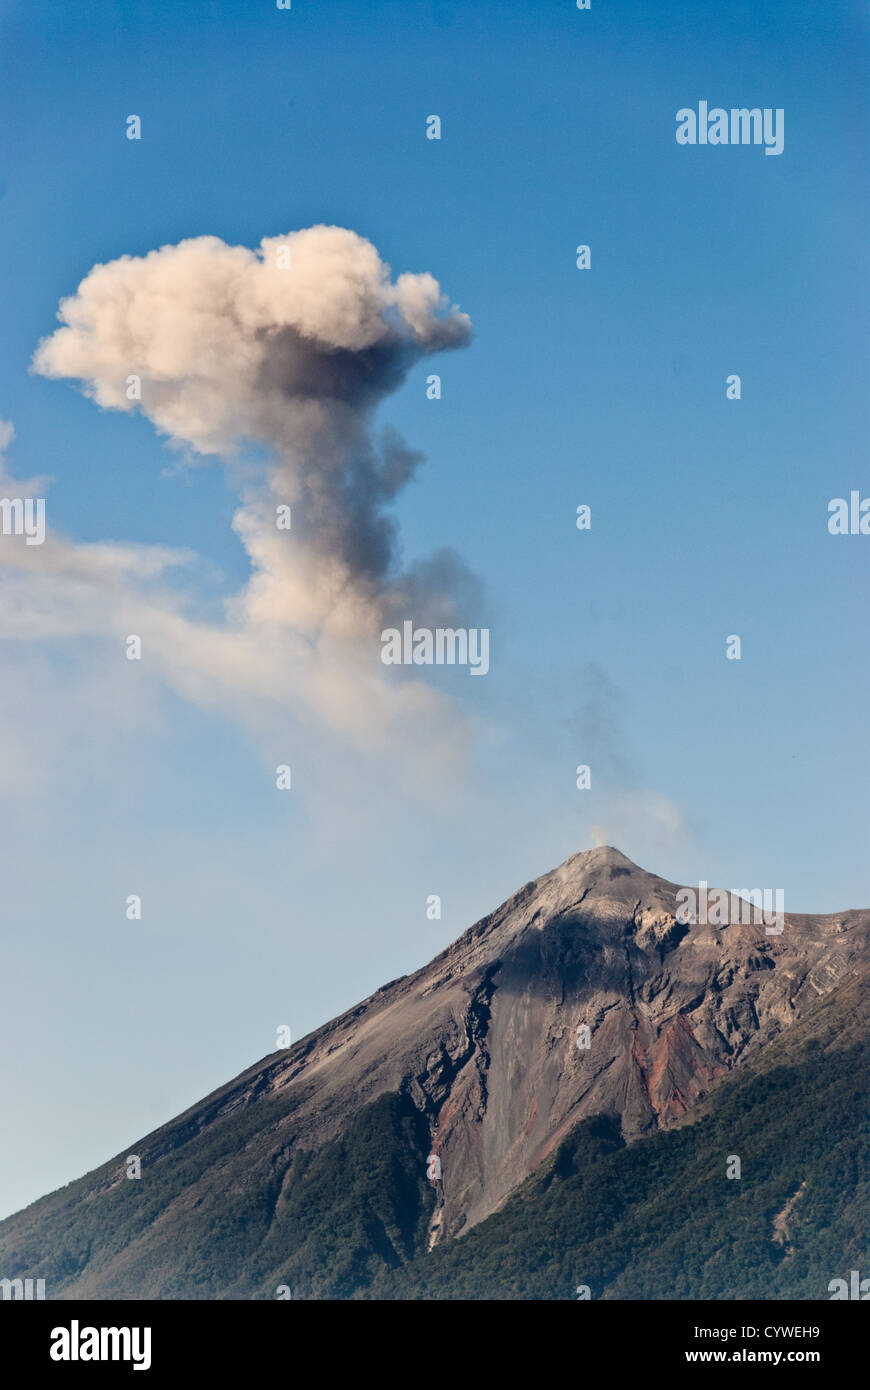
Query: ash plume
x,y
290,348
275,361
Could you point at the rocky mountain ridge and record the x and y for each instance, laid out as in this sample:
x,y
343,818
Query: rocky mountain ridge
x,y
584,994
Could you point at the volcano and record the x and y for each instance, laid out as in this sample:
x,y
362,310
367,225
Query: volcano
x,y
581,1025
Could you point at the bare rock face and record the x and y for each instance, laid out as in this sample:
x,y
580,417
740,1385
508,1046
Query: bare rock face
x,y
488,1040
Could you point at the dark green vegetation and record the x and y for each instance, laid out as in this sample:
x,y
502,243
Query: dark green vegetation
x,y
659,1219
233,1209
324,1224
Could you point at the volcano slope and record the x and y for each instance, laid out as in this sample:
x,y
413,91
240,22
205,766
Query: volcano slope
x,y
560,1164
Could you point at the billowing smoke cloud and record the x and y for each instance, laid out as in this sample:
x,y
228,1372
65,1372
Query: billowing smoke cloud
x,y
291,347
275,360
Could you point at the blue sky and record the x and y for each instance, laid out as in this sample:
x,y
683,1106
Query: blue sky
x,y
604,387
